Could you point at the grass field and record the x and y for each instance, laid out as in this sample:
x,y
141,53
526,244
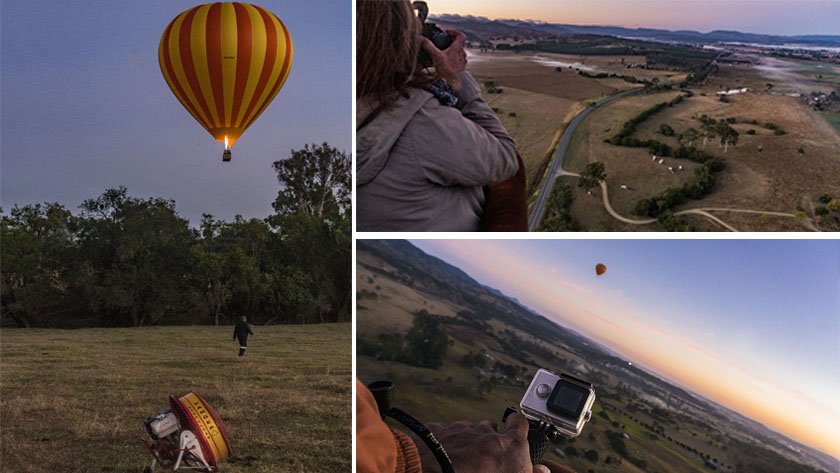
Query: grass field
x,y
834,120
75,401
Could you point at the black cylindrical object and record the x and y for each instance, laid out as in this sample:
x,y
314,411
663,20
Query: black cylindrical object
x,y
383,392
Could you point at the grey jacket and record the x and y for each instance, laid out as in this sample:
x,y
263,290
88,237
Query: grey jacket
x,y
420,165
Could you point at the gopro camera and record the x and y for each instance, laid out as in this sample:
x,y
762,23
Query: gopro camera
x,y
561,404
440,38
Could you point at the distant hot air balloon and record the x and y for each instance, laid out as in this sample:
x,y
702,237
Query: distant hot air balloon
x,y
225,62
600,269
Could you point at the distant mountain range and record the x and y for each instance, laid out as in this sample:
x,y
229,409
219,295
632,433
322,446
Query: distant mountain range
x,y
531,28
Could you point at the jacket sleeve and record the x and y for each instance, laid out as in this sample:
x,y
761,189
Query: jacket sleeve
x,y
378,448
465,146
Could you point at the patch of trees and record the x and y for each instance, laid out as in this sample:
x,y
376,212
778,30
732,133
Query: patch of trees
x,y
700,185
127,261
558,211
612,75
592,175
424,345
672,223
492,88
474,360
622,138
700,75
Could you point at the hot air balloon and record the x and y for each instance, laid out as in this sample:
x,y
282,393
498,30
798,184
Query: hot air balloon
x,y
600,269
225,62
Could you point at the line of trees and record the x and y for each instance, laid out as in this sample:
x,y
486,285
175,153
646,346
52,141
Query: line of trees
x,y
700,185
128,261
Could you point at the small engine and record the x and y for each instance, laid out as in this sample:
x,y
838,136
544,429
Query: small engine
x,y
189,434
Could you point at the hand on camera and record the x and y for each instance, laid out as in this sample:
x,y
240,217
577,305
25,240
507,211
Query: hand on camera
x,y
481,449
452,60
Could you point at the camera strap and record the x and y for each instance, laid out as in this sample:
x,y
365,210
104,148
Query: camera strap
x,y
426,435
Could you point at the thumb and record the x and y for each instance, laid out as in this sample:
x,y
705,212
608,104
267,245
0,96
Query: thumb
x,y
541,469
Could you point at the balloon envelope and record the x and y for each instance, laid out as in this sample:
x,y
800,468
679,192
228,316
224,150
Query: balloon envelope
x,y
600,269
225,62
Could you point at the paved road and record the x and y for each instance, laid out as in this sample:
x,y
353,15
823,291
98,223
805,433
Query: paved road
x,y
538,209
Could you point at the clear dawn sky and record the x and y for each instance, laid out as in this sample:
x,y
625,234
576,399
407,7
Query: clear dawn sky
x,y
784,17
752,324
84,107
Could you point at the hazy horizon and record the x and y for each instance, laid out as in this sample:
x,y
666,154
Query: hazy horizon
x,y
772,17
713,316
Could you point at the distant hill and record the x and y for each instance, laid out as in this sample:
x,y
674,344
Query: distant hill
x,y
483,28
400,261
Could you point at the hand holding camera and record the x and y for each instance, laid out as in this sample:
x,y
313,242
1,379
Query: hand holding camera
x,y
452,60
554,405
443,50
480,448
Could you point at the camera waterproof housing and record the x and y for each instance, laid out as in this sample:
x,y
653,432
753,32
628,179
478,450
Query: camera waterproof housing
x,y
440,38
561,404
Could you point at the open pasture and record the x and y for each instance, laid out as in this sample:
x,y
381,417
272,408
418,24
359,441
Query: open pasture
x,y
75,400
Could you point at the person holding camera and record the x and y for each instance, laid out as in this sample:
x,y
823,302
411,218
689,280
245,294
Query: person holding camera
x,y
428,147
469,448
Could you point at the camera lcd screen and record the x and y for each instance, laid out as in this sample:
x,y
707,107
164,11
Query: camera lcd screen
x,y
567,399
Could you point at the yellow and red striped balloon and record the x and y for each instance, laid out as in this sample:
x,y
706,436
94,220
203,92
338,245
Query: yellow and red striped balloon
x,y
225,62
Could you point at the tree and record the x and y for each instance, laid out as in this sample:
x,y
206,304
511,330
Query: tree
x,y
592,175
427,341
315,181
38,255
666,129
313,218
690,135
137,253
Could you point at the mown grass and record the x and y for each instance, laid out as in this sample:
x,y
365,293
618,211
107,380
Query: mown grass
x,y
75,401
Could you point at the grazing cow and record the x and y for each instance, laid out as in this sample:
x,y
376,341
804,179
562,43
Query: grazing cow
x,y
661,161
671,169
680,168
624,187
653,158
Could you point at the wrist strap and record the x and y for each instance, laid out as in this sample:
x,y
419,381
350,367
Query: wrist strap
x,y
426,435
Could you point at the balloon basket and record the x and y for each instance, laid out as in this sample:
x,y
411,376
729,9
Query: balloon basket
x,y
226,156
189,435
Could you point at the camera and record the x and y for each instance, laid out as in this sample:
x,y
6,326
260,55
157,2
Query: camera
x,y
560,404
440,38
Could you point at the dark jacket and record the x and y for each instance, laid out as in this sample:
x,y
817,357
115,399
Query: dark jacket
x,y
242,330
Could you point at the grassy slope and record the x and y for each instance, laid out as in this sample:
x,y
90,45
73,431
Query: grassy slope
x,y
76,400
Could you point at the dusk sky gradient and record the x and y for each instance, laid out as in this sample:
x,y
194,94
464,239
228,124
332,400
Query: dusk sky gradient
x,y
752,324
85,107
784,17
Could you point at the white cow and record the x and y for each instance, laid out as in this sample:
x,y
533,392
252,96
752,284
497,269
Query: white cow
x,y
680,168
653,158
624,187
661,161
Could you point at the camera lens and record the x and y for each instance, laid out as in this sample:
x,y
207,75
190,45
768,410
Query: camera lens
x,y
567,399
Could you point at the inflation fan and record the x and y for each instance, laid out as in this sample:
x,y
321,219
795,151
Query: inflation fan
x,y
187,435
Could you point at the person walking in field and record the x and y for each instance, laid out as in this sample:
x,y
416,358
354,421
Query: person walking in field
x,y
241,332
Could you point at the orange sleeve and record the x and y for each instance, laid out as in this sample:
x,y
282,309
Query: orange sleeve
x,y
380,449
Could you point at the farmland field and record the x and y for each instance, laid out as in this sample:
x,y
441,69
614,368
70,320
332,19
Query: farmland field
x,y
75,400
538,101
